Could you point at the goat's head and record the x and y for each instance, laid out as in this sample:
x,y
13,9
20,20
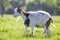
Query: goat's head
x,y
17,11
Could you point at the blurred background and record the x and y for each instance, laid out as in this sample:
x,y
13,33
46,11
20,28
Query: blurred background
x,y
51,6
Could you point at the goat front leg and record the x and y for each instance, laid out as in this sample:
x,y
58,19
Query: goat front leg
x,y
32,27
25,29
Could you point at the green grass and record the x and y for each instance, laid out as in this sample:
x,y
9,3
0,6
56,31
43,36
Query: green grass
x,y
10,30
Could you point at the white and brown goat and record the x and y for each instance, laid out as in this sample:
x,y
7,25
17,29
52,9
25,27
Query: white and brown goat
x,y
35,19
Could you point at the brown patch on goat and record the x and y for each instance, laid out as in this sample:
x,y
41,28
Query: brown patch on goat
x,y
48,22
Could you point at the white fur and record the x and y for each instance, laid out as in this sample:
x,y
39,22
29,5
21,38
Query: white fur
x,y
37,18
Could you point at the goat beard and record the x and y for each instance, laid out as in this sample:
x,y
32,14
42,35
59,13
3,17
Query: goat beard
x,y
17,19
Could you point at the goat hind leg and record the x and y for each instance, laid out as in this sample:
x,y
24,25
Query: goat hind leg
x,y
46,31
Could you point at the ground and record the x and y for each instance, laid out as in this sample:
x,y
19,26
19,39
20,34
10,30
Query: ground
x,y
12,30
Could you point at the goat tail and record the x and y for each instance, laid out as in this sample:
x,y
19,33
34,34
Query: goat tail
x,y
53,24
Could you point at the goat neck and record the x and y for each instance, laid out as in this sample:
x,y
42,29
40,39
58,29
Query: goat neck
x,y
23,14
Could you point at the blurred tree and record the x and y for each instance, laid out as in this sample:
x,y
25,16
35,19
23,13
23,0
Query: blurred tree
x,y
51,3
52,6
2,7
48,5
13,4
17,3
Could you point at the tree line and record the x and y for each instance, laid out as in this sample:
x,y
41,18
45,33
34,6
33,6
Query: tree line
x,y
51,6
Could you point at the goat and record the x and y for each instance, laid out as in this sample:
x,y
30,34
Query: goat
x,y
35,18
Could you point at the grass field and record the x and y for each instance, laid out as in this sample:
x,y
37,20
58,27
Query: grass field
x,y
10,30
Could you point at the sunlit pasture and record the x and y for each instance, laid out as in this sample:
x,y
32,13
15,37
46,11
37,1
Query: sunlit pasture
x,y
12,30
